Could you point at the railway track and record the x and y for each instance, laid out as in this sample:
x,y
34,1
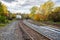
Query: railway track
x,y
51,33
30,34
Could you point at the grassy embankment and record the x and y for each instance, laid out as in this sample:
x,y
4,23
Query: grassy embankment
x,y
4,24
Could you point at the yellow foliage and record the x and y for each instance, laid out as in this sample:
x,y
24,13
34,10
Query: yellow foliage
x,y
47,7
36,17
5,11
39,17
57,9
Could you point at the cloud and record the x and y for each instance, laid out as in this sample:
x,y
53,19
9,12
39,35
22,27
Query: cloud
x,y
8,0
24,5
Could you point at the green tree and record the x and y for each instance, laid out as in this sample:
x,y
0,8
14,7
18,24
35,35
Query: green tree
x,y
1,9
3,13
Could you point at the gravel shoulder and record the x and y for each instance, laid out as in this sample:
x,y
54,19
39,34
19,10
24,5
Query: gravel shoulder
x,y
11,32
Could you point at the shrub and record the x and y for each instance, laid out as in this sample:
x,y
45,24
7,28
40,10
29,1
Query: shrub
x,y
55,16
2,19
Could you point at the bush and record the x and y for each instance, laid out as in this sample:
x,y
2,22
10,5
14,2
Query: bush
x,y
54,16
2,19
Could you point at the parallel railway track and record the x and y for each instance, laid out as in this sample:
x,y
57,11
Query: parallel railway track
x,y
30,34
51,33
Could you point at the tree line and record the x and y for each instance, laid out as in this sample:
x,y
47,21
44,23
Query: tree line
x,y
5,14
46,12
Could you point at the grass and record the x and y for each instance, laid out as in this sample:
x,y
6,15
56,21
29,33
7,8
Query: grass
x,y
4,24
54,22
1,24
58,22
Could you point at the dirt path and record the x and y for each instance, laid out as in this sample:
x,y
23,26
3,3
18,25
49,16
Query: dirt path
x,y
18,31
11,32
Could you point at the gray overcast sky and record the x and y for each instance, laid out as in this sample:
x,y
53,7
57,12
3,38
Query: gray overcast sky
x,y
24,5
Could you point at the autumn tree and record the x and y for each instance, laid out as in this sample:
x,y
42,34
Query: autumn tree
x,y
1,9
45,12
46,8
37,17
55,15
3,13
33,10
